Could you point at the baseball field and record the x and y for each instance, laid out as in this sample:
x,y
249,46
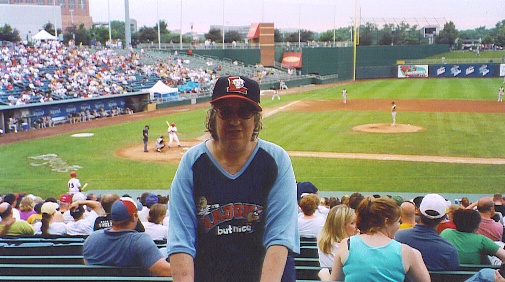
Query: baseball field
x,y
449,138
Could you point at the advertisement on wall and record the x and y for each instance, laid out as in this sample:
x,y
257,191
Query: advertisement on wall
x,y
64,110
502,69
412,71
462,70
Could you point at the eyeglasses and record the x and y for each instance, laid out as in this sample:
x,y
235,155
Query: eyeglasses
x,y
228,112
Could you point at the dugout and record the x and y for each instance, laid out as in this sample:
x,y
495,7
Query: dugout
x,y
61,109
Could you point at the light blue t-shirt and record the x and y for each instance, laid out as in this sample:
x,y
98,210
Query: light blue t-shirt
x,y
223,219
367,263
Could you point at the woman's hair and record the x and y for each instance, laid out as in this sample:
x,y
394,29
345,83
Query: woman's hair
x,y
465,202
333,201
309,204
211,120
107,200
157,213
46,219
344,200
466,220
373,212
334,228
26,204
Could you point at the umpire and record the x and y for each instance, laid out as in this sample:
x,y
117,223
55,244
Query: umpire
x,y
145,137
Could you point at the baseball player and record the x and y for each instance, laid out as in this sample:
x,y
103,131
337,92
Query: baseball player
x,y
393,113
172,133
276,94
160,143
344,96
500,94
74,185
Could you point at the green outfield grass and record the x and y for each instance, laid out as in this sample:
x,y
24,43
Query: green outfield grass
x,y
466,54
445,134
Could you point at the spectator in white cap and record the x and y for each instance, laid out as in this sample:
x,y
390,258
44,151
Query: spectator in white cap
x,y
438,254
52,221
121,245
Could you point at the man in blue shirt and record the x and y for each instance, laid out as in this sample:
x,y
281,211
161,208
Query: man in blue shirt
x,y
438,253
121,245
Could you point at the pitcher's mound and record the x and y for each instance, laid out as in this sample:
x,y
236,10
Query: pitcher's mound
x,y
387,128
172,155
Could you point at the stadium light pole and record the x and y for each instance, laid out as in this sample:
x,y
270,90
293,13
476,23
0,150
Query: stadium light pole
x,y
223,24
158,16
180,26
355,41
299,25
334,24
55,27
72,16
110,28
127,27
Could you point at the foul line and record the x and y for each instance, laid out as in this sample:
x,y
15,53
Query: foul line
x,y
407,158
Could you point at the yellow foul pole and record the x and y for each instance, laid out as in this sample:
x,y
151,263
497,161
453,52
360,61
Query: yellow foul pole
x,y
355,39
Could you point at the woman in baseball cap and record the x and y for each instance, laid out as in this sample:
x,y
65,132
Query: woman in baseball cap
x,y
231,168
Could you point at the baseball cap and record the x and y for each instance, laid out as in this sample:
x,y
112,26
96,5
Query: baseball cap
x,y
66,198
305,188
237,87
123,209
10,198
398,199
3,207
78,197
151,199
49,208
433,206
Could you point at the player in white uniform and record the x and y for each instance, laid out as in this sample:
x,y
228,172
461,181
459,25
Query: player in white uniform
x,y
172,133
276,94
344,96
500,94
74,185
393,112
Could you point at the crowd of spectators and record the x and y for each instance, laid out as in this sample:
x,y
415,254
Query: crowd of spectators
x,y
446,235
51,70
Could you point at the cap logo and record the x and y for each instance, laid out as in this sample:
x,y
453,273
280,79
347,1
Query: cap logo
x,y
236,84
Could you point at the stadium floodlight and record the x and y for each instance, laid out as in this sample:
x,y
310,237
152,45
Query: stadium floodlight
x,y
158,17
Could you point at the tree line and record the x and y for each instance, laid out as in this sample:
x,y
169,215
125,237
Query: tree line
x,y
368,34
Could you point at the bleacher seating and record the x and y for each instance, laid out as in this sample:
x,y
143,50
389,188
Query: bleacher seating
x,y
60,259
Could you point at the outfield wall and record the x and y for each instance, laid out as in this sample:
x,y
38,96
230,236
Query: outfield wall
x,y
339,60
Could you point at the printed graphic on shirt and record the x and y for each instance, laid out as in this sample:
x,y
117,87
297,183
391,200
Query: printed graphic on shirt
x,y
228,219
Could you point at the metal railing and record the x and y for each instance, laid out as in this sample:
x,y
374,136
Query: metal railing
x,y
476,60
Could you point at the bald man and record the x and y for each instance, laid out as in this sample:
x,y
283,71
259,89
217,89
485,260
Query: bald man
x,y
407,215
488,227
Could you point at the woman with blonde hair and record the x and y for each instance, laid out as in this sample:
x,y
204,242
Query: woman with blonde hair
x,y
373,255
340,224
26,208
